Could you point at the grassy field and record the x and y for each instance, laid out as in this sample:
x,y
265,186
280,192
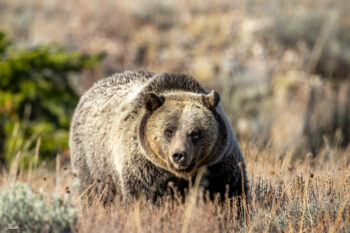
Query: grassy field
x,y
282,69
308,195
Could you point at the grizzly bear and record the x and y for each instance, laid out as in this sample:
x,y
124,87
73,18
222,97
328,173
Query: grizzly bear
x,y
135,132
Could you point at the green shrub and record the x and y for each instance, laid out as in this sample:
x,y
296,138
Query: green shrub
x,y
36,97
27,211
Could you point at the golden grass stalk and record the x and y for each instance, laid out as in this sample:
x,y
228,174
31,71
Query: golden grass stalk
x,y
246,210
304,206
192,200
274,211
137,216
37,150
340,215
91,186
58,165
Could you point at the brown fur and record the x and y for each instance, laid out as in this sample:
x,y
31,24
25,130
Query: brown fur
x,y
137,131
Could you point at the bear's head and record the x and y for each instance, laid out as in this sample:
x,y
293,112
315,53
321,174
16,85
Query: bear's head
x,y
180,130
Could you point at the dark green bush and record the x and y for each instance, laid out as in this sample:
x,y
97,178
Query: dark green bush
x,y
36,97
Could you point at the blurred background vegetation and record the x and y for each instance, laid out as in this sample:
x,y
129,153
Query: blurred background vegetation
x,y
36,98
282,67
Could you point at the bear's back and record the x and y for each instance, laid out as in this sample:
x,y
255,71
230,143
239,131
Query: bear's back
x,y
93,119
119,84
93,105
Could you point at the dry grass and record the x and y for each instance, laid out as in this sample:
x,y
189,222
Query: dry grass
x,y
308,195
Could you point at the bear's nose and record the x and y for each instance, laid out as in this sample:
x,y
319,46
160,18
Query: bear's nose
x,y
179,157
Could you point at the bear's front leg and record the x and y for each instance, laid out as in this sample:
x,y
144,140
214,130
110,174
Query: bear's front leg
x,y
226,175
139,186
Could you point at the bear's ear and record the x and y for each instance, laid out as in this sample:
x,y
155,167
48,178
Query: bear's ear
x,y
153,101
211,100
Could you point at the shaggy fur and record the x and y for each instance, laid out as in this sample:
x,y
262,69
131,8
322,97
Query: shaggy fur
x,y
116,136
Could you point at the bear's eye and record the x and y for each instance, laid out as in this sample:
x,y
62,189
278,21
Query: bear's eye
x,y
169,132
195,135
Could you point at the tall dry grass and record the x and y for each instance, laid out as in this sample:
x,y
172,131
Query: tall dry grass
x,y
307,195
